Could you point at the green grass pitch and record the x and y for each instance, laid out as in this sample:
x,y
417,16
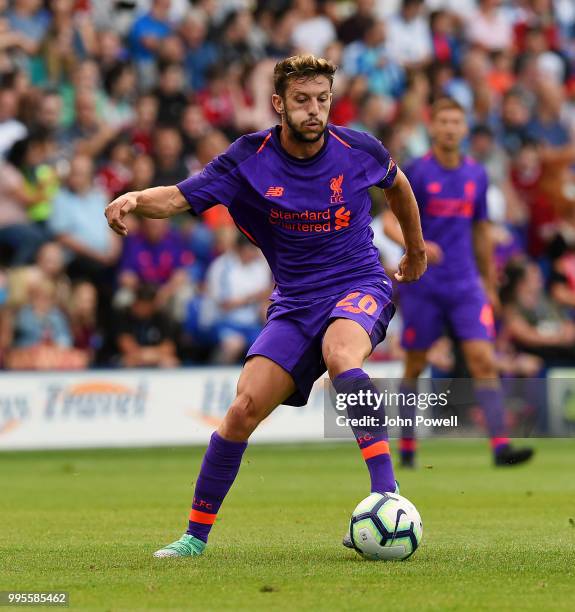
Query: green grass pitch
x,y
88,521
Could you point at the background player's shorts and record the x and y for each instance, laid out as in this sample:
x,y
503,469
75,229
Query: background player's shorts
x,y
428,313
294,332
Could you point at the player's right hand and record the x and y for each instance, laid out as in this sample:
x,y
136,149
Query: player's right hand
x,y
434,252
118,209
411,267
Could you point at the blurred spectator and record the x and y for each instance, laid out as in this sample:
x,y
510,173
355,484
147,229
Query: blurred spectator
x,y
18,234
194,126
142,132
238,284
69,39
371,58
547,125
513,128
544,180
201,54
82,313
145,334
446,47
562,278
373,113
38,333
488,27
39,180
51,262
313,31
356,25
11,129
168,148
239,44
532,322
79,224
146,38
89,135
171,100
409,36
115,175
120,85
155,256
503,201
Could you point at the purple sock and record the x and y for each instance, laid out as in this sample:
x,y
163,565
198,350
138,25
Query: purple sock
x,y
219,469
373,443
407,443
491,401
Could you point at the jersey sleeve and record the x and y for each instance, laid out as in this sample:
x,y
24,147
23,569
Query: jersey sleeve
x,y
380,168
480,208
217,183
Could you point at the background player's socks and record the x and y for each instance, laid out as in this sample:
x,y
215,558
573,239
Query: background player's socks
x,y
372,442
219,469
490,398
407,448
407,442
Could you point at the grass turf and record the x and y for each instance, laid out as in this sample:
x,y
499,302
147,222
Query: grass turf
x,y
88,521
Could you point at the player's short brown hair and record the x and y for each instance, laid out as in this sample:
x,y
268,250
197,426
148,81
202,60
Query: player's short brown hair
x,y
301,67
445,103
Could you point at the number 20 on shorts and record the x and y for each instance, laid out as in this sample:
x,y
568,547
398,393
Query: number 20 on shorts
x,y
352,302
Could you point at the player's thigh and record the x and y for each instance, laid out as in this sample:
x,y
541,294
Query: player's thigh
x,y
262,386
480,359
414,363
471,315
423,317
346,345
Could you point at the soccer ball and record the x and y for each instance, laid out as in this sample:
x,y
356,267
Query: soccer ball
x,y
385,526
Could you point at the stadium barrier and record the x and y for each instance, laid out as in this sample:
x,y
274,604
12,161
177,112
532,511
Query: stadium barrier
x,y
107,408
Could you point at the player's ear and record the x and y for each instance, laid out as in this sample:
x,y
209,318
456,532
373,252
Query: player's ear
x,y
278,103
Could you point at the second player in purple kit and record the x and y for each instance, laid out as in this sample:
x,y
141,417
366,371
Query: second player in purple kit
x,y
458,290
300,192
451,202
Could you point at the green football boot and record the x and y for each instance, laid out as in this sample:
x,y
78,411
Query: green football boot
x,y
186,546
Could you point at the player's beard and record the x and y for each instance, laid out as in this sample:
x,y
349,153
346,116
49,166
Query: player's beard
x,y
301,136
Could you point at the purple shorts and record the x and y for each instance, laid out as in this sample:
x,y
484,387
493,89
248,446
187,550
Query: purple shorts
x,y
293,334
430,312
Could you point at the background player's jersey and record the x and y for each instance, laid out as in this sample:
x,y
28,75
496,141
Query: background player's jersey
x,y
310,217
450,200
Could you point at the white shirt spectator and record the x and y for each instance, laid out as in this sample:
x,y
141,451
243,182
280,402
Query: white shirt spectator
x,y
11,131
492,32
409,42
228,278
314,35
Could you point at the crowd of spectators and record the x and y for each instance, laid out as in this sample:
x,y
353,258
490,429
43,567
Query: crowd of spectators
x,y
98,98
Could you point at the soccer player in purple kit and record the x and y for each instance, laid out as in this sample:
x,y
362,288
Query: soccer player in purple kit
x,y
300,192
458,289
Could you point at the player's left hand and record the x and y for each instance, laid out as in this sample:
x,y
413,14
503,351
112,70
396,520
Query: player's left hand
x,y
411,267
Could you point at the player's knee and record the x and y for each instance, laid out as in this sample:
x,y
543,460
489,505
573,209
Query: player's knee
x,y
414,365
243,415
483,367
337,358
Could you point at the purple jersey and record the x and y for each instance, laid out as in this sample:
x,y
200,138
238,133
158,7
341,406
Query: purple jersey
x,y
450,200
310,217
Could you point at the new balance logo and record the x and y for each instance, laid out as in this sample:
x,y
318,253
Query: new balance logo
x,y
274,192
342,218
